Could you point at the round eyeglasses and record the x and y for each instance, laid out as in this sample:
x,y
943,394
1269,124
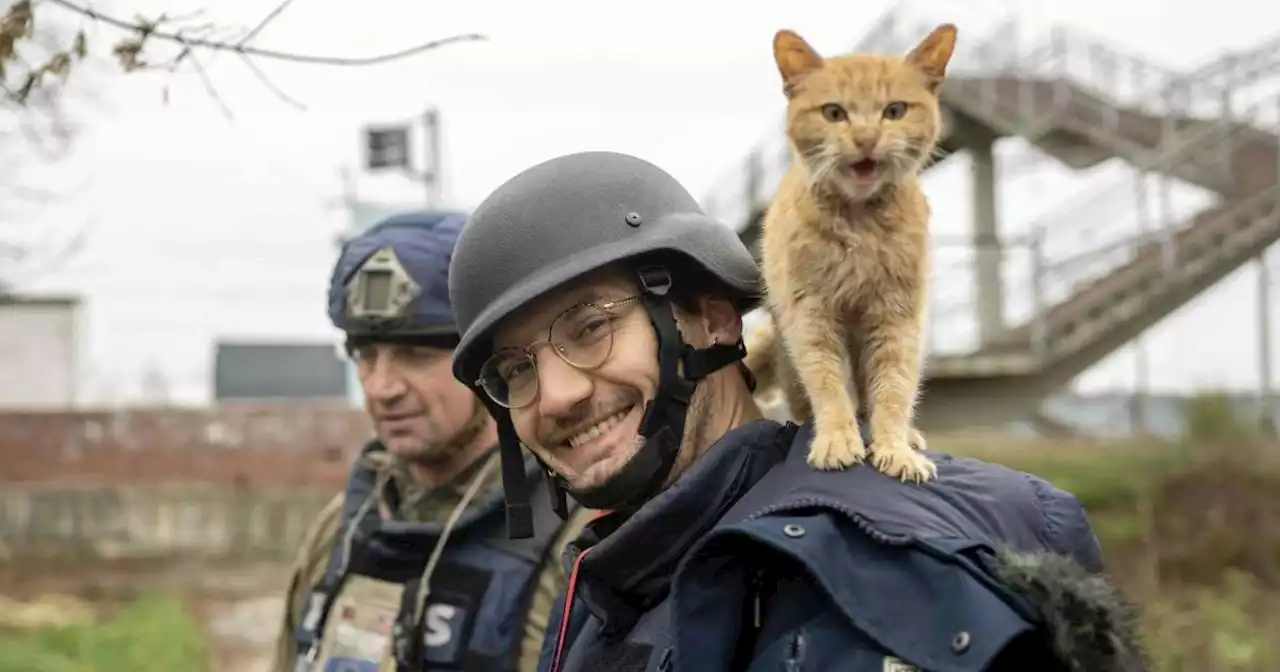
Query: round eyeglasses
x,y
582,336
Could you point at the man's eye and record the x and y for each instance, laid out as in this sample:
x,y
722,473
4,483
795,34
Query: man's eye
x,y
515,370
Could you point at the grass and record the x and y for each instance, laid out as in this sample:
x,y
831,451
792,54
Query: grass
x,y
1190,529
149,634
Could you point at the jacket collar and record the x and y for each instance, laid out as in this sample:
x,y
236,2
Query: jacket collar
x,y
632,561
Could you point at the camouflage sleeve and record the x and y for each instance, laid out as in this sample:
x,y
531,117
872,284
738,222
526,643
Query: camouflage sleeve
x,y
552,581
308,569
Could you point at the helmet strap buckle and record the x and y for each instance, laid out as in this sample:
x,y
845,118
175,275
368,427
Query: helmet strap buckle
x,y
655,280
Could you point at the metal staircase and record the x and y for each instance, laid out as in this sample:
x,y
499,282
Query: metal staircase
x,y
1083,102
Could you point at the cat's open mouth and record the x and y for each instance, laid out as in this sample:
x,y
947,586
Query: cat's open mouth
x,y
865,170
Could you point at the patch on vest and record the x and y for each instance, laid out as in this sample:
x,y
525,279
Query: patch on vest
x,y
358,630
892,664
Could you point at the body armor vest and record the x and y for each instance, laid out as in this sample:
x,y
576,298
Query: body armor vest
x,y
479,595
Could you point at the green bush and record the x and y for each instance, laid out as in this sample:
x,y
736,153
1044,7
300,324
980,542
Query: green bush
x,y
1184,527
150,634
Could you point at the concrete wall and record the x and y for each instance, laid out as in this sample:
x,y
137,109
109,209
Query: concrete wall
x,y
155,521
227,481
297,445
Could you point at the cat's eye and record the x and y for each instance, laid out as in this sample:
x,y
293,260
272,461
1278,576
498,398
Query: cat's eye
x,y
833,113
895,110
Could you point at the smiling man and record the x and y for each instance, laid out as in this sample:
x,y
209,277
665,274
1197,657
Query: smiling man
x,y
601,317
363,594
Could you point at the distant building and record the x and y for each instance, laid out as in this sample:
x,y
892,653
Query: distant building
x,y
39,346
280,372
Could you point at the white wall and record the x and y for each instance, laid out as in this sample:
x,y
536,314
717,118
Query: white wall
x,y
38,352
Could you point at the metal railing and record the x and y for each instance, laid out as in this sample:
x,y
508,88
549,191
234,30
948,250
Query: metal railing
x,y
1042,268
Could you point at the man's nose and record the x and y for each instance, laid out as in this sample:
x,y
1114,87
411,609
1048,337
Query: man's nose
x,y
561,386
385,383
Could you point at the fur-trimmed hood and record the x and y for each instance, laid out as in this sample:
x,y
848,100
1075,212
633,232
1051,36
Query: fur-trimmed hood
x,y
1092,627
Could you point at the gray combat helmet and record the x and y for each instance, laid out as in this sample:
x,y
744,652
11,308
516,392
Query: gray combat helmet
x,y
557,221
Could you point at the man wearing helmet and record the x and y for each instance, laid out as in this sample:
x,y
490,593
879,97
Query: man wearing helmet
x,y
600,312
411,567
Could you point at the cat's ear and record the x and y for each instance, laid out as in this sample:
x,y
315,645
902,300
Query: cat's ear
x,y
933,53
795,59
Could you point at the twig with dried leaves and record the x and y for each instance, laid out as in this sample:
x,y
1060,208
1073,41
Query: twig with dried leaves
x,y
17,24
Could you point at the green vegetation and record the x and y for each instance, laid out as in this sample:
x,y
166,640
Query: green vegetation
x,y
1190,529
150,634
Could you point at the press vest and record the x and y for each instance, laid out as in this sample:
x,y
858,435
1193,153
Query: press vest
x,y
479,594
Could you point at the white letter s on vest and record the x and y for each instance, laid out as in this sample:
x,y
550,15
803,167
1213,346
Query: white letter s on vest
x,y
437,627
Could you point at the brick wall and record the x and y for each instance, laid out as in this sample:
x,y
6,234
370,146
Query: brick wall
x,y
248,446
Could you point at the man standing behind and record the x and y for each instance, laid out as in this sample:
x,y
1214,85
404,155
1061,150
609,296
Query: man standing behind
x,y
411,566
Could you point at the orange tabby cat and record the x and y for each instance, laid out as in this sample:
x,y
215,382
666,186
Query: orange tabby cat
x,y
845,245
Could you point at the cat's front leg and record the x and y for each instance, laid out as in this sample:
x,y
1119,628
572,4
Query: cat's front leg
x,y
893,365
793,392
814,342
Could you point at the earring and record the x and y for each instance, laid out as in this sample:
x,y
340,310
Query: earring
x,y
715,340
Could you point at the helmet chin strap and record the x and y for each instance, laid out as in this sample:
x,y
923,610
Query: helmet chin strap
x,y
661,427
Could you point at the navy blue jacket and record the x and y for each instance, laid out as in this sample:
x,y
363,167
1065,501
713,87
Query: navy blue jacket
x,y
753,560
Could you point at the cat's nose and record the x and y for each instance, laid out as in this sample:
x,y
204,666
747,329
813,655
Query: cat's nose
x,y
865,142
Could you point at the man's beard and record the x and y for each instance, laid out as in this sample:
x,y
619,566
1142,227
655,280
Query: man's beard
x,y
697,430
697,439
434,453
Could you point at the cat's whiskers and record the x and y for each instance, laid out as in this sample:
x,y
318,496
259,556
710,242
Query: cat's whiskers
x,y
822,162
926,150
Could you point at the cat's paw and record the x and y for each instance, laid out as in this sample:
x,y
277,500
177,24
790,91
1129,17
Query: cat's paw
x,y
916,439
898,459
836,449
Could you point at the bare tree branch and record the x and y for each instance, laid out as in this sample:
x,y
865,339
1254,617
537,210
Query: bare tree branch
x,y
34,70
262,77
149,29
129,50
263,24
208,85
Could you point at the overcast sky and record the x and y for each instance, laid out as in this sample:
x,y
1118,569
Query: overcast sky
x,y
206,227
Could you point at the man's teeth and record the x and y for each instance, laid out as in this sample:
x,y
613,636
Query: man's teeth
x,y
597,429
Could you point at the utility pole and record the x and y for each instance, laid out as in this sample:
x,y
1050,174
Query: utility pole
x,y
432,172
1267,423
1141,373
349,201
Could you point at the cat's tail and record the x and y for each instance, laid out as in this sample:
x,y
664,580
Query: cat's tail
x,y
762,355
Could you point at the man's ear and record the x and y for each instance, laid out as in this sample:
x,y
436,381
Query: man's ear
x,y
722,320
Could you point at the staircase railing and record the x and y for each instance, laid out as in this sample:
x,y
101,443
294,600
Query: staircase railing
x,y
1042,270
1241,68
1260,218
